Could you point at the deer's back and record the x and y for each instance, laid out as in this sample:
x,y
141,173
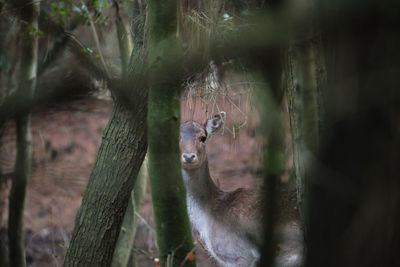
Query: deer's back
x,y
242,203
231,231
242,210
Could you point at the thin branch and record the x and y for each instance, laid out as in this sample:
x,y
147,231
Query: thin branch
x,y
96,39
124,40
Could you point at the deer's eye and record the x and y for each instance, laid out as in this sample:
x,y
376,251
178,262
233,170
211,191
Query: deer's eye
x,y
203,139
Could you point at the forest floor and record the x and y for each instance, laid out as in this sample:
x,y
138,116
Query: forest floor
x,y
65,144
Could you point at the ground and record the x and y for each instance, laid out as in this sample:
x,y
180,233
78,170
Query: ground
x,y
65,141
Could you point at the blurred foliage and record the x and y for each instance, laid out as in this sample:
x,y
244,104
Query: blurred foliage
x,y
63,11
229,34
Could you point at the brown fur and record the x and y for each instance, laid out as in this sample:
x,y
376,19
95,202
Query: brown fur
x,y
229,223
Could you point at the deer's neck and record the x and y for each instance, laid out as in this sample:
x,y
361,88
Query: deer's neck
x,y
199,184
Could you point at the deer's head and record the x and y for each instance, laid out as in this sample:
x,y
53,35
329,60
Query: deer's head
x,y
193,140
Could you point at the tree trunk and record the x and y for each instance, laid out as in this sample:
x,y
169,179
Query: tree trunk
x,y
120,156
354,209
305,78
271,130
124,247
169,197
114,175
304,111
27,78
3,228
3,178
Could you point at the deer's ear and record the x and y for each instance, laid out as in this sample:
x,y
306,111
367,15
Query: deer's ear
x,y
215,123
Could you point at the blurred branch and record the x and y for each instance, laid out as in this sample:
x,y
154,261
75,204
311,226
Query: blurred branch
x,y
14,104
269,98
50,89
268,29
62,36
124,40
96,39
61,39
4,177
122,90
86,58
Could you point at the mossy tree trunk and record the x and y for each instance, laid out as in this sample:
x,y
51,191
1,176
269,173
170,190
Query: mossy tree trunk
x,y
305,78
305,117
168,193
27,82
104,203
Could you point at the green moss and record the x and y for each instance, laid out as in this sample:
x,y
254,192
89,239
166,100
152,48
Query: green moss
x,y
168,192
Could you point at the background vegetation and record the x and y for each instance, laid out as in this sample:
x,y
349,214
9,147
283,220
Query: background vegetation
x,y
329,69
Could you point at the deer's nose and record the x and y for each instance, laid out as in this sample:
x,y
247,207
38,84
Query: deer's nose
x,y
188,157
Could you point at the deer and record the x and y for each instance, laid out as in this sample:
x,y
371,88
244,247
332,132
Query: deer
x,y
228,222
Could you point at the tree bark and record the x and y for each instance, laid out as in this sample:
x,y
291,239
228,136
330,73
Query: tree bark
x,y
126,239
169,197
124,246
99,220
305,78
120,156
304,111
27,81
